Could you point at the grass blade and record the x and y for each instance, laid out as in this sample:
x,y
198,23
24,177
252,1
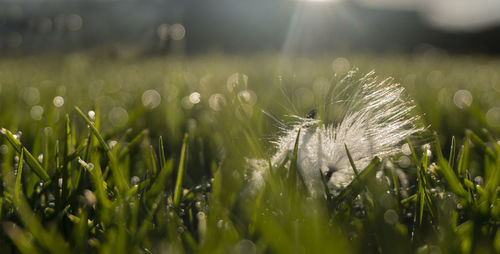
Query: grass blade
x,y
30,159
135,141
451,158
120,180
351,161
180,173
17,187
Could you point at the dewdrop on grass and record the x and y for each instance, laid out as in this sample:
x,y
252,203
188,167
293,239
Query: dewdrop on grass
x,y
370,117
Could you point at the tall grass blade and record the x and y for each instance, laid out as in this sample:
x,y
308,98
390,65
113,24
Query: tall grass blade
x,y
180,173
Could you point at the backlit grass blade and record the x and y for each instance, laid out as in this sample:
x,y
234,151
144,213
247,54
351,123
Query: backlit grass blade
x,y
445,169
463,160
351,191
30,159
292,174
135,141
99,183
17,187
152,161
180,172
161,180
67,162
21,239
162,152
451,158
480,142
120,180
351,161
94,130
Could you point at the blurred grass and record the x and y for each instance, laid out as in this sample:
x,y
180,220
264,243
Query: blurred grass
x,y
153,157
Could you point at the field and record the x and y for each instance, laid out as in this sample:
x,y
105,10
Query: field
x,y
148,155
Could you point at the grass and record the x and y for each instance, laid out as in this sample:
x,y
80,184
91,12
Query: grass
x,y
147,155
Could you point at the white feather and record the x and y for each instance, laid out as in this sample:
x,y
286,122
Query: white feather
x,y
375,119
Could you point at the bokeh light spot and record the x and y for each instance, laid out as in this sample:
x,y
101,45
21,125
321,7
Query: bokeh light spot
x,y
151,99
177,32
493,116
194,98
462,99
58,101
162,32
216,101
118,116
36,112
391,217
31,95
247,96
237,82
74,22
341,65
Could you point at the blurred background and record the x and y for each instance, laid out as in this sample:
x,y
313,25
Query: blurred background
x,y
236,26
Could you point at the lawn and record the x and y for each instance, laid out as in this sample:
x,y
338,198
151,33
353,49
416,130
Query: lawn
x,y
149,155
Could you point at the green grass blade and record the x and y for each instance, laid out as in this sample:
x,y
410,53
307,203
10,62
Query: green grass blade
x,y
445,169
67,162
120,180
162,153
180,172
30,159
17,187
293,171
351,161
135,141
161,180
451,158
94,130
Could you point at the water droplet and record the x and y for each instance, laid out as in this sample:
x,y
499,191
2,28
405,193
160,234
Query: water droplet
x,y
197,204
58,101
112,143
134,180
479,180
91,115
